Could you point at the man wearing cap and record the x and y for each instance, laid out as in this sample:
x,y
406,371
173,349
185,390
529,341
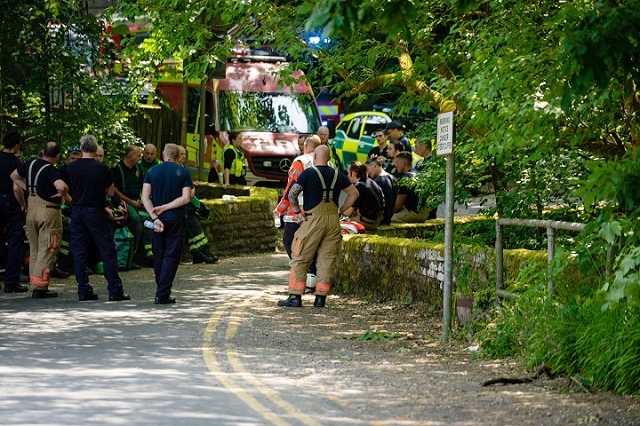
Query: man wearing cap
x,y
395,131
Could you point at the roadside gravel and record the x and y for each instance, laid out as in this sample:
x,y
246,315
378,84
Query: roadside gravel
x,y
411,379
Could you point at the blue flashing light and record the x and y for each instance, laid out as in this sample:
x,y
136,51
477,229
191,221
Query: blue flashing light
x,y
314,40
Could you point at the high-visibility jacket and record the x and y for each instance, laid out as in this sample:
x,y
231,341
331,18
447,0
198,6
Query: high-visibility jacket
x,y
237,166
300,164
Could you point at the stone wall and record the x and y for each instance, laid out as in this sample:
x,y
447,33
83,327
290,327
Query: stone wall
x,y
243,226
410,270
396,263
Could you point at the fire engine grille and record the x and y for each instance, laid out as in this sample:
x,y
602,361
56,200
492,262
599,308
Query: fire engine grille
x,y
272,167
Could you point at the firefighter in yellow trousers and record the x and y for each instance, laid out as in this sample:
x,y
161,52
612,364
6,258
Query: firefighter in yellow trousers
x,y
319,233
46,191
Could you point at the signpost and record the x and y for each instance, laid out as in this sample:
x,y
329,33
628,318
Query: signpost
x,y
444,146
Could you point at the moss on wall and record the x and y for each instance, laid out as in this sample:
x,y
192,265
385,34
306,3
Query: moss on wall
x,y
240,227
401,269
395,263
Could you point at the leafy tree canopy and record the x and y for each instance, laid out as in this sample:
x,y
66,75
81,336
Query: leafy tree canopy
x,y
54,84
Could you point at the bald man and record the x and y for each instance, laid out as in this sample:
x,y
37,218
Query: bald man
x,y
334,160
149,158
323,133
100,154
319,233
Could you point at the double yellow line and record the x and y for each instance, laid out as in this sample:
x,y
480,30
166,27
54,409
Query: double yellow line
x,y
230,381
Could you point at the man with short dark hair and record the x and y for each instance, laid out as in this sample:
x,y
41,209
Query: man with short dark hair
x,y
165,192
90,182
11,212
46,191
379,152
407,200
395,131
423,149
385,182
393,150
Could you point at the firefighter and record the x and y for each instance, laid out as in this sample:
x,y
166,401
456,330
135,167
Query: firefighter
x,y
46,191
319,234
234,161
300,164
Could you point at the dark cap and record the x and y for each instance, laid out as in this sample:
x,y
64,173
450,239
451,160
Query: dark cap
x,y
394,125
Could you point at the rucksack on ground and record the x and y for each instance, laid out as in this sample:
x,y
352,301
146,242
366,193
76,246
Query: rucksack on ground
x,y
124,247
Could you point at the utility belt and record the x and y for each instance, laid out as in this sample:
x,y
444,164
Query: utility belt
x,y
37,201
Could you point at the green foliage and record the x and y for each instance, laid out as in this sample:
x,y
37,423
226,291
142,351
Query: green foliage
x,y
594,28
567,331
54,81
611,181
611,193
570,342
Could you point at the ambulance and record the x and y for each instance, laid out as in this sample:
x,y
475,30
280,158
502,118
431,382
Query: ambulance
x,y
254,100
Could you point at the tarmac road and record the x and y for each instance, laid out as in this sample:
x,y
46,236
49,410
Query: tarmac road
x,y
225,354
133,362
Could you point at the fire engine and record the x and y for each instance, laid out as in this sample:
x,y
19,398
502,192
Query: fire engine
x,y
251,99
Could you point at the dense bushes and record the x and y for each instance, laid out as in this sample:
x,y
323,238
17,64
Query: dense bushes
x,y
571,333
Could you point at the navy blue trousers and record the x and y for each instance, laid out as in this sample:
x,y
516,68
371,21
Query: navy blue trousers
x,y
11,217
167,252
90,223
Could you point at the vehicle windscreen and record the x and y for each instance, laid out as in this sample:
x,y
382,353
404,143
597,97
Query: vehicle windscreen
x,y
268,112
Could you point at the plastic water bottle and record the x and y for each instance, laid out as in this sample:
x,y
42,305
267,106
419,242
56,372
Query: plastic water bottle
x,y
151,225
277,222
227,197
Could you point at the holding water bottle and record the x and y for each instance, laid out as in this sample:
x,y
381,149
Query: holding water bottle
x,y
166,190
153,224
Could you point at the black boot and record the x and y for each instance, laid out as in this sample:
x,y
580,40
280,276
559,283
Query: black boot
x,y
320,301
16,289
293,301
201,256
43,294
214,258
